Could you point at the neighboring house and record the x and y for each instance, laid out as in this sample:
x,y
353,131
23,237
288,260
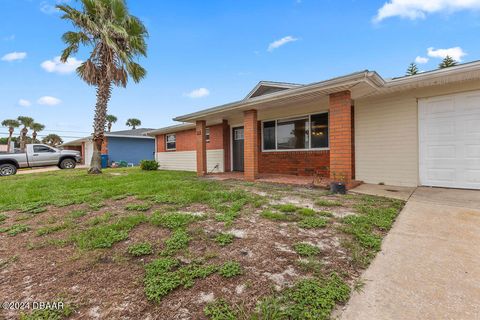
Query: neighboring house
x,y
408,131
131,146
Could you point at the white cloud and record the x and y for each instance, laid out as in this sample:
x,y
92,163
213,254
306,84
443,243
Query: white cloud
x,y
13,56
418,9
278,43
58,66
421,60
198,93
24,103
49,101
456,53
48,8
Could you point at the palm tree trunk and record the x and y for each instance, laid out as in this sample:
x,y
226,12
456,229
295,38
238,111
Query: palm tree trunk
x,y
103,96
34,137
23,139
9,141
109,126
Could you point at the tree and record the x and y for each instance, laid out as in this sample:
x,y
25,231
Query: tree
x,y
52,140
412,69
133,123
117,39
447,62
36,127
26,122
111,119
11,124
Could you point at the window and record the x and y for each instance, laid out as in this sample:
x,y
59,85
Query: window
x,y
171,141
238,134
207,135
309,132
42,149
319,129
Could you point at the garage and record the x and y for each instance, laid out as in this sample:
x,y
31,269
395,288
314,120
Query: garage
x,y
449,141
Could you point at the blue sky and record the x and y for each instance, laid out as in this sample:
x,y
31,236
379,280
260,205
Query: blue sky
x,y
206,53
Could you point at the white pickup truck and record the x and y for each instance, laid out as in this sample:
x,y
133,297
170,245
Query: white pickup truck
x,y
38,155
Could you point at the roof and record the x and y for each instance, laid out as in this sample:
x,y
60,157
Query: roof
x,y
173,128
267,87
361,84
134,134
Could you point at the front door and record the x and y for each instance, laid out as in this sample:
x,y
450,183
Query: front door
x,y
237,146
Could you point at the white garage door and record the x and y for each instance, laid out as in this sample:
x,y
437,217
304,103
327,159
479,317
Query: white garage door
x,y
449,128
88,152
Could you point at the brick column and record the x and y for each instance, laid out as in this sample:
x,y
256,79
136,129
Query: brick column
x,y
226,145
250,145
201,148
341,137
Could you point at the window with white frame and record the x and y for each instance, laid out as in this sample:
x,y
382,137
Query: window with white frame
x,y
207,135
171,141
306,132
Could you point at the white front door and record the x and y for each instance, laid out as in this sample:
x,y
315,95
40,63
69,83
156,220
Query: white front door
x,y
449,128
88,152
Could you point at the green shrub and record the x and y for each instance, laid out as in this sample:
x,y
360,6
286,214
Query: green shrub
x,y
312,223
140,249
149,165
219,310
224,239
230,269
306,250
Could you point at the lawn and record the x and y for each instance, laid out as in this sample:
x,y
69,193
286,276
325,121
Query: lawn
x,y
134,244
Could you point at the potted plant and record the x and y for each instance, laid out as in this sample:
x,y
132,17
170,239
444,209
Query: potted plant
x,y
338,184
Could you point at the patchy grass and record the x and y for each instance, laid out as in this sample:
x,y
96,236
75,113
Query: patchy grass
x,y
172,220
306,250
230,269
328,203
104,236
3,217
55,228
49,313
278,216
75,214
138,207
313,222
140,249
15,229
178,241
220,310
224,239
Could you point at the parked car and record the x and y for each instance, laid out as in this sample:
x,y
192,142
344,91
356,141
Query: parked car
x,y
38,155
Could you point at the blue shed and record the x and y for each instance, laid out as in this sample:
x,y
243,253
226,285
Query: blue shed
x,y
131,146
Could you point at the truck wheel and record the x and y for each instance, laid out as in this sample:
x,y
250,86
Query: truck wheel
x,y
68,164
7,170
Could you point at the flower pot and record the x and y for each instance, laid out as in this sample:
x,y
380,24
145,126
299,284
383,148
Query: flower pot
x,y
338,187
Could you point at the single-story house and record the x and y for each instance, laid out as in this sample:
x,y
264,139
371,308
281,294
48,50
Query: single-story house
x,y
407,131
131,146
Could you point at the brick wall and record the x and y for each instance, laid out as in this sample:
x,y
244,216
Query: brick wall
x,y
251,145
341,137
105,146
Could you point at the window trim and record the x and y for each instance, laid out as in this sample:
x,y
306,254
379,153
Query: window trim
x,y
296,117
207,135
166,142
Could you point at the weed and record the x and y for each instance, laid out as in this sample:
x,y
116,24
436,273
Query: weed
x,y
78,214
140,249
172,220
104,218
104,236
224,239
52,229
3,217
95,206
219,310
230,269
306,250
138,207
178,241
328,203
278,216
165,275
306,212
57,312
312,222
15,229
310,265
287,208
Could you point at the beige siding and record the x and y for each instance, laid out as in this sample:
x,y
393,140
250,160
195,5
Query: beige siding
x,y
187,160
386,135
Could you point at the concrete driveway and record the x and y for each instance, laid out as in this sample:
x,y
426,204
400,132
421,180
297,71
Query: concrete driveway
x,y
429,266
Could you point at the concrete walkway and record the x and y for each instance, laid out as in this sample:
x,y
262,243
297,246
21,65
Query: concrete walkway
x,y
429,266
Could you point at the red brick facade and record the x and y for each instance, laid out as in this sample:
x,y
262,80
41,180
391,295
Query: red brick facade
x,y
251,151
341,137
300,163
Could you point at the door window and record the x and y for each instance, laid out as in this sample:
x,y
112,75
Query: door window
x,y
42,149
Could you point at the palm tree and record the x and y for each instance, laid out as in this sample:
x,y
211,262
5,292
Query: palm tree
x,y
36,127
447,62
111,119
52,140
133,123
26,122
412,69
117,39
11,124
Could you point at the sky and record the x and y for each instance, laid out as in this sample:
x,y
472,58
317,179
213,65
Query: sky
x,y
206,53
